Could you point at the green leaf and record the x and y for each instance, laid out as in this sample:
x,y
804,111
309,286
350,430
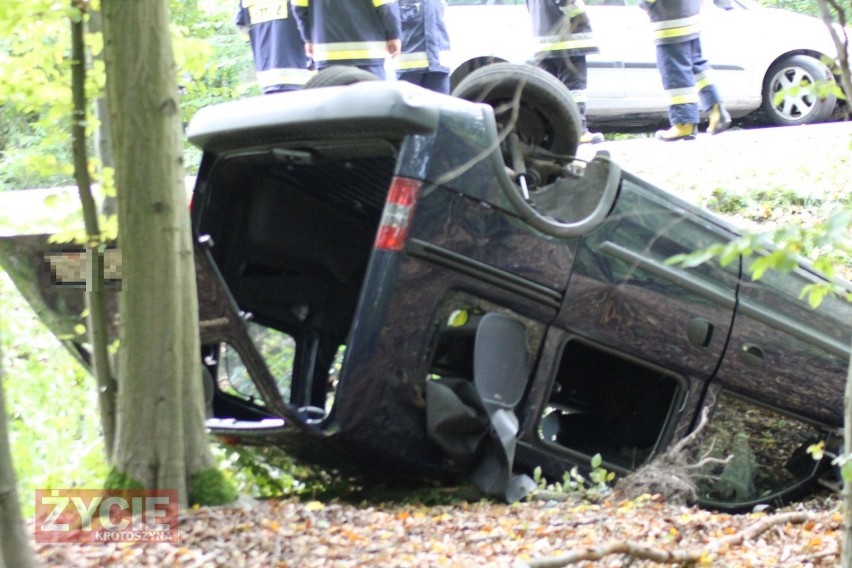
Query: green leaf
x,y
596,462
817,451
815,294
846,472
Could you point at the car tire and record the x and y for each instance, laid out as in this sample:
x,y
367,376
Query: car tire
x,y
339,76
801,107
548,118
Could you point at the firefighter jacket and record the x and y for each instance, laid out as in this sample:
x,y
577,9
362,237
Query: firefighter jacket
x,y
279,53
674,21
561,27
348,32
425,41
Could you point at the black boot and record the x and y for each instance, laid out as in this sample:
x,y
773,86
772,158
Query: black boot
x,y
720,120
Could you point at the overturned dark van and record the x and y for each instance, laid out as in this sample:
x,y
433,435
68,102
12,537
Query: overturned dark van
x,y
399,281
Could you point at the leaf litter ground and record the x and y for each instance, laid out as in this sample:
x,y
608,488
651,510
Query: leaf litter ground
x,y
313,534
811,161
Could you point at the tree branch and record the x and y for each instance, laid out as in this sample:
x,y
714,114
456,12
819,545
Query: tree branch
x,y
687,557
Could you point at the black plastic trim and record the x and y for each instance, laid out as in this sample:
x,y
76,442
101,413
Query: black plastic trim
x,y
484,272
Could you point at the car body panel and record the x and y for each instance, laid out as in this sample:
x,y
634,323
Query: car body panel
x,y
774,332
622,288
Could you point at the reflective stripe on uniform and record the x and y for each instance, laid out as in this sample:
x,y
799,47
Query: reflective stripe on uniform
x,y
271,77
679,23
300,3
413,60
682,96
378,3
558,43
350,50
703,79
676,28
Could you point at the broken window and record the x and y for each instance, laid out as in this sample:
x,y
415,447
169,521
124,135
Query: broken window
x,y
759,452
278,351
603,403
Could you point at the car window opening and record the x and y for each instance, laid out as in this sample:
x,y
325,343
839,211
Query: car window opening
x,y
759,452
602,403
297,261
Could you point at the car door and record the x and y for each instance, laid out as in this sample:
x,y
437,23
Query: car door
x,y
606,69
786,354
482,30
727,32
623,78
636,340
623,295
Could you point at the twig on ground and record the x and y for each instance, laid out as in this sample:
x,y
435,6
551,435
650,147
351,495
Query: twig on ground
x,y
687,557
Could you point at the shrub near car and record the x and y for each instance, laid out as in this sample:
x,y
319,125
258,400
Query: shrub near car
x,y
760,57
407,284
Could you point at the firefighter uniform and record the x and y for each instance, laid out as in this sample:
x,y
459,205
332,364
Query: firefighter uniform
x,y
348,32
564,36
425,45
277,47
684,70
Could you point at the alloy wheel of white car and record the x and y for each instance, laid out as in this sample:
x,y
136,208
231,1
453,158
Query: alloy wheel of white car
x,y
798,79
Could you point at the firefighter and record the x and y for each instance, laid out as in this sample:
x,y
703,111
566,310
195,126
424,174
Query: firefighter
x,y
564,37
360,33
425,45
683,69
279,54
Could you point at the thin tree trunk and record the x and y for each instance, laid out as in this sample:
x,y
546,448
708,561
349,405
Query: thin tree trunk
x,y
95,299
103,135
14,546
842,45
161,440
846,79
846,546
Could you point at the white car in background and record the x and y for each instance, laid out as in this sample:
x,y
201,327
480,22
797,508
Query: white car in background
x,y
755,52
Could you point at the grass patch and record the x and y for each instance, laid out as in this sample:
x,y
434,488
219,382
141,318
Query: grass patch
x,y
51,403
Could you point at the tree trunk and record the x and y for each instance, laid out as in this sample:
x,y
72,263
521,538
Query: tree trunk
x,y
829,10
103,134
846,547
95,296
14,547
161,441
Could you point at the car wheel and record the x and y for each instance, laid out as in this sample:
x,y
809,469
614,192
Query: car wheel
x,y
339,76
546,121
798,105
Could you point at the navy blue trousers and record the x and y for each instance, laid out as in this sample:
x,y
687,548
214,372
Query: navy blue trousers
x,y
686,79
438,81
377,70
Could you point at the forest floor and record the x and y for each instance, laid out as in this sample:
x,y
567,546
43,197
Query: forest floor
x,y
534,533
812,167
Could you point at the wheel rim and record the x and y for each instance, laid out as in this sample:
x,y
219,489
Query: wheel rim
x,y
794,83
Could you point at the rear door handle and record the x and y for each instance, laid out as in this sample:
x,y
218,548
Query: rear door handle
x,y
751,354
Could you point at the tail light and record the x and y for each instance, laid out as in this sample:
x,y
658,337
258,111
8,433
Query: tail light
x,y
397,216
